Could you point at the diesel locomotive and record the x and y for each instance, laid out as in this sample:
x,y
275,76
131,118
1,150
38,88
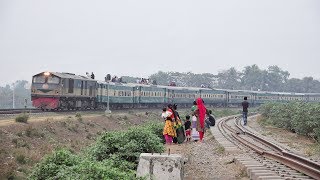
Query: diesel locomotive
x,y
67,91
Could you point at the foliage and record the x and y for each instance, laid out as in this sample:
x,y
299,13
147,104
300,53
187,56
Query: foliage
x,y
155,128
250,78
113,156
23,118
21,159
21,92
184,79
62,164
229,79
59,161
299,117
127,144
79,117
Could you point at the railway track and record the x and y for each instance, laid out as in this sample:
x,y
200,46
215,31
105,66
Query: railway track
x,y
262,158
18,111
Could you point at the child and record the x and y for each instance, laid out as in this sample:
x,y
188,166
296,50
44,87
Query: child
x,y
187,127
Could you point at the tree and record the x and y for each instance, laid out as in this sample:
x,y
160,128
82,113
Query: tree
x,y
229,79
253,78
21,92
276,78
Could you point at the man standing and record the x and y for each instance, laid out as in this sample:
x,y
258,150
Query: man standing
x,y
245,106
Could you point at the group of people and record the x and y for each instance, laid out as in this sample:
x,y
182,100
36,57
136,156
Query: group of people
x,y
146,81
92,76
175,131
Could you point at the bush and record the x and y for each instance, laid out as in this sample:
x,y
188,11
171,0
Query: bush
x,y
127,145
53,164
155,128
114,156
299,117
79,117
21,159
23,118
62,164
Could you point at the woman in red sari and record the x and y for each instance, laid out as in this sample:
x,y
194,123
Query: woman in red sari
x,y
201,114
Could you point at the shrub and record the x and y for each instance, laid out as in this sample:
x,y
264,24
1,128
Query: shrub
x,y
299,117
57,162
62,164
23,118
32,132
113,156
21,159
127,145
79,117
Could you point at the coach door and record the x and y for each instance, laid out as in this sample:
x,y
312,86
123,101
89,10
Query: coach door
x,y
101,92
170,96
136,94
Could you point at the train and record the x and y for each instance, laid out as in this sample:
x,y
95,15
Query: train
x,y
68,91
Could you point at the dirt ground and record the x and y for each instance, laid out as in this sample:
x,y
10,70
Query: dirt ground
x,y
207,160
23,145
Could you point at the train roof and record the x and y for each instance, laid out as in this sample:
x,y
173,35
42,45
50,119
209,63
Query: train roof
x,y
117,83
68,76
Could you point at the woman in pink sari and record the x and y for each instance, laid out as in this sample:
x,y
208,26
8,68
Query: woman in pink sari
x,y
201,114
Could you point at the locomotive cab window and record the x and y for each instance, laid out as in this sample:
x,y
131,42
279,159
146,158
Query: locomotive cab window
x,y
53,80
46,79
39,79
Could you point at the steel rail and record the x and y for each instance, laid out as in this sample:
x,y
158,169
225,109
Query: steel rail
x,y
293,161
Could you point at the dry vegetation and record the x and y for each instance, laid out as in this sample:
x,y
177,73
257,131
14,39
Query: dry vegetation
x,y
24,144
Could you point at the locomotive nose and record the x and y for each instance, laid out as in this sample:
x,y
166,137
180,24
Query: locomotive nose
x,y
46,103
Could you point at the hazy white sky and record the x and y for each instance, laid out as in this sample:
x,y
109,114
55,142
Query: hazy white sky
x,y
141,37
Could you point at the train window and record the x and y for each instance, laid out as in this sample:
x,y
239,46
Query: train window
x,y
53,80
85,87
71,84
39,79
81,87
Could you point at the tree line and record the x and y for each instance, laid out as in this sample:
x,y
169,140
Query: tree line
x,y
15,95
250,78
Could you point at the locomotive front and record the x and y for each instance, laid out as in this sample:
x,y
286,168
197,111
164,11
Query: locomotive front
x,y
45,90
